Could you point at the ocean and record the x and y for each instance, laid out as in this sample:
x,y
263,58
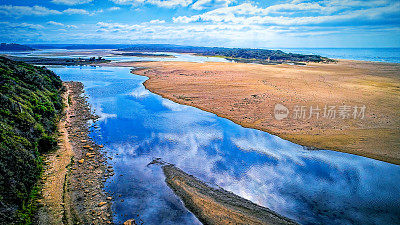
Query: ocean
x,y
391,55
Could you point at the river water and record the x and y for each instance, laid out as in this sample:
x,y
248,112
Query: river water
x,y
308,186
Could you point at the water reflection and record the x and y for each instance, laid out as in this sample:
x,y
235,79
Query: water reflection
x,y
308,186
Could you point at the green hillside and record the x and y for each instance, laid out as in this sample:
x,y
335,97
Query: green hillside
x,y
30,105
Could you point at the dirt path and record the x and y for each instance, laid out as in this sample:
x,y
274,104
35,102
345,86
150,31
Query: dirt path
x,y
74,175
55,171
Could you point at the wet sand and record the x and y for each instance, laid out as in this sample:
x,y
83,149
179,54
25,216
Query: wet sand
x,y
74,175
217,206
248,93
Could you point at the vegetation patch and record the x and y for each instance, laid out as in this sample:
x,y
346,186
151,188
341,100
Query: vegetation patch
x,y
30,107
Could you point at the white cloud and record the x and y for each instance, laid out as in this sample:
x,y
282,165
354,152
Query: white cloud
x,y
55,23
10,10
61,24
124,2
18,11
71,2
169,3
159,3
117,27
247,13
204,4
193,32
157,21
21,25
76,11
113,8
294,7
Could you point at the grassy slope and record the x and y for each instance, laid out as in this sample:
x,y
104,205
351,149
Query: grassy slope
x,y
30,104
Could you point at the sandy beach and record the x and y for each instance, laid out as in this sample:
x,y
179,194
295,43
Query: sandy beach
x,y
248,93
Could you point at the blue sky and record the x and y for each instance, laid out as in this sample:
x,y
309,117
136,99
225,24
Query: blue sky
x,y
228,23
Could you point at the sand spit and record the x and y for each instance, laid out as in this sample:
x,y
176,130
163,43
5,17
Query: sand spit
x,y
217,206
248,93
75,174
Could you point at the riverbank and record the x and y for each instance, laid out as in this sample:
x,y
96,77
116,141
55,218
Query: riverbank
x,y
217,206
248,93
74,175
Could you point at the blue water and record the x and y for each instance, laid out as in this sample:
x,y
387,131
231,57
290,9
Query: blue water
x,y
391,55
311,187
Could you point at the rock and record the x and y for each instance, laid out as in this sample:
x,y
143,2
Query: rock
x,y
130,222
101,146
101,204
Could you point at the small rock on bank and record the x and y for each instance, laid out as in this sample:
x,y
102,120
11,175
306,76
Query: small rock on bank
x,y
130,222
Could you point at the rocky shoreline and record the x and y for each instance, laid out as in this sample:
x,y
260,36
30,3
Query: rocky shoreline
x,y
83,199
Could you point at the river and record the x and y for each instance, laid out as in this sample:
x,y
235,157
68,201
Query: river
x,y
308,186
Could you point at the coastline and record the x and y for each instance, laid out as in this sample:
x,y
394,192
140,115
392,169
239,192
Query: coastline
x,y
74,175
374,84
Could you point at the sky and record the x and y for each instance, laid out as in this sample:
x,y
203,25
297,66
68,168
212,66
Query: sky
x,y
222,23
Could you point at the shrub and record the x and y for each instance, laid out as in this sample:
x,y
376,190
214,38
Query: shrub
x,y
46,144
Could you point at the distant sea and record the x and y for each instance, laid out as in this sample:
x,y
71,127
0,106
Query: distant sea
x,y
367,54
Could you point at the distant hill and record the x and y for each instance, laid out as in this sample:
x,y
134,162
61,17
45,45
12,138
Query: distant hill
x,y
78,46
14,47
248,55
30,105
